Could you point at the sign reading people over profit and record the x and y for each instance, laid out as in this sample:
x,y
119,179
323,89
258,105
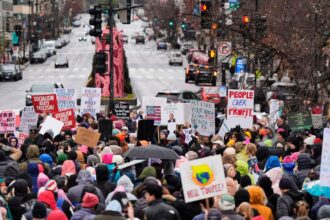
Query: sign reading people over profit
x,y
240,108
325,159
90,101
29,119
66,98
202,178
7,122
67,117
202,117
45,103
300,120
121,109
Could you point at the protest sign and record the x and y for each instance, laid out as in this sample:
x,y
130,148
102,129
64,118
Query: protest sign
x,y
173,112
325,159
274,110
202,178
45,103
29,119
145,129
7,122
223,91
154,113
317,121
300,121
21,136
223,129
202,117
121,109
67,117
90,101
187,134
51,126
171,127
152,108
66,98
105,128
87,137
240,108
152,101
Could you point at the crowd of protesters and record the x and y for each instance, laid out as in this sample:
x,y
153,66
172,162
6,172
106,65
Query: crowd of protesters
x,y
266,168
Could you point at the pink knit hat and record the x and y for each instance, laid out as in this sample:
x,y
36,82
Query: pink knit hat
x,y
107,158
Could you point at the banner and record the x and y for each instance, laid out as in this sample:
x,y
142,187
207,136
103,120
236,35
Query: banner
x,y
90,101
317,121
51,126
173,113
240,108
202,178
121,109
67,117
300,121
203,117
29,119
87,137
7,122
45,103
66,98
325,159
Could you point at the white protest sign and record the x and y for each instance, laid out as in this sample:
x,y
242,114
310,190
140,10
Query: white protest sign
x,y
152,101
51,125
325,159
152,108
66,98
29,119
172,112
223,91
171,126
7,121
90,101
223,129
187,134
240,108
203,178
274,110
317,121
203,117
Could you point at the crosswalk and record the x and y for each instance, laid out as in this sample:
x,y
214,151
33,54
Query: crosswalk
x,y
156,70
39,70
157,77
57,76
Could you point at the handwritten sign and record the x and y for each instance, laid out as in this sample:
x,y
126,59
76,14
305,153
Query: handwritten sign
x,y
87,137
274,110
202,178
45,103
203,117
90,101
67,117
21,136
240,108
29,119
66,98
51,126
7,122
325,159
300,120
121,110
317,121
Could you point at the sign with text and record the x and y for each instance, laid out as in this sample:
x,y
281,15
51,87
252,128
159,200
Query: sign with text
x,y
325,159
29,119
51,126
300,120
274,110
202,178
152,101
203,117
317,121
21,136
45,103
67,117
223,129
66,98
121,109
87,137
7,122
173,113
154,113
90,101
240,108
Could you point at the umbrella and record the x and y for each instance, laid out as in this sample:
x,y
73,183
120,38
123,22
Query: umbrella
x,y
152,151
315,189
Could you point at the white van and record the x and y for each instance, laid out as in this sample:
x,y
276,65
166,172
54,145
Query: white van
x,y
50,44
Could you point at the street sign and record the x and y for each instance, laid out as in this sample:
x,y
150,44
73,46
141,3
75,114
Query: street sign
x,y
241,64
224,48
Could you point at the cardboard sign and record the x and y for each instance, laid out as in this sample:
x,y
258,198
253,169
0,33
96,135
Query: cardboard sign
x,y
87,137
7,122
29,119
240,108
66,98
223,129
317,121
45,103
300,120
121,109
325,159
203,178
67,117
51,126
145,129
21,136
174,112
274,110
203,117
105,128
90,101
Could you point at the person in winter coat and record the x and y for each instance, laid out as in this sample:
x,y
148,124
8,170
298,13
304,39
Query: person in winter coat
x,y
57,215
88,208
227,207
258,202
303,166
17,190
262,155
32,156
7,163
290,196
14,153
163,142
102,177
113,211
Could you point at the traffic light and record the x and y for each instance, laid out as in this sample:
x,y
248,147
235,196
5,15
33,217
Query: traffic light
x,y
212,56
129,4
205,14
96,21
100,62
261,25
245,20
184,26
171,23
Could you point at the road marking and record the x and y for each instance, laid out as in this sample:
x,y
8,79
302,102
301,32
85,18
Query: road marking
x,y
61,76
76,69
149,77
160,70
170,77
151,69
71,76
160,77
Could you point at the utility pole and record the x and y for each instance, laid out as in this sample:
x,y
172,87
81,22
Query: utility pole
x,y
111,84
29,27
256,49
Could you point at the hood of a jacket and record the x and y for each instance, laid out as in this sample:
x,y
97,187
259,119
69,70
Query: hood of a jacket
x,y
126,182
304,161
242,167
32,152
294,194
262,153
288,167
84,177
272,162
257,196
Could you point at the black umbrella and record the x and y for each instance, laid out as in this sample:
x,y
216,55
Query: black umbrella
x,y
152,151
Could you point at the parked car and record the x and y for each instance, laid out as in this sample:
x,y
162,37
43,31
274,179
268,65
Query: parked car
x,y
283,91
190,72
37,57
50,45
175,58
140,39
61,62
37,89
161,45
125,38
46,51
82,38
58,44
206,74
185,48
11,71
76,24
178,96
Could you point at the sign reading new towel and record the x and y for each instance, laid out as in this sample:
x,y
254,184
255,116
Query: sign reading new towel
x,y
90,101
203,117
240,108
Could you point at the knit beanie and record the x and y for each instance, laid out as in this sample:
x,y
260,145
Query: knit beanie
x,y
287,183
51,185
242,195
92,160
39,210
227,202
89,200
114,206
46,158
147,171
324,212
57,215
61,157
107,158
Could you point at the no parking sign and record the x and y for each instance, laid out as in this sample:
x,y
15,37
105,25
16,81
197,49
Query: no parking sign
x,y
224,49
